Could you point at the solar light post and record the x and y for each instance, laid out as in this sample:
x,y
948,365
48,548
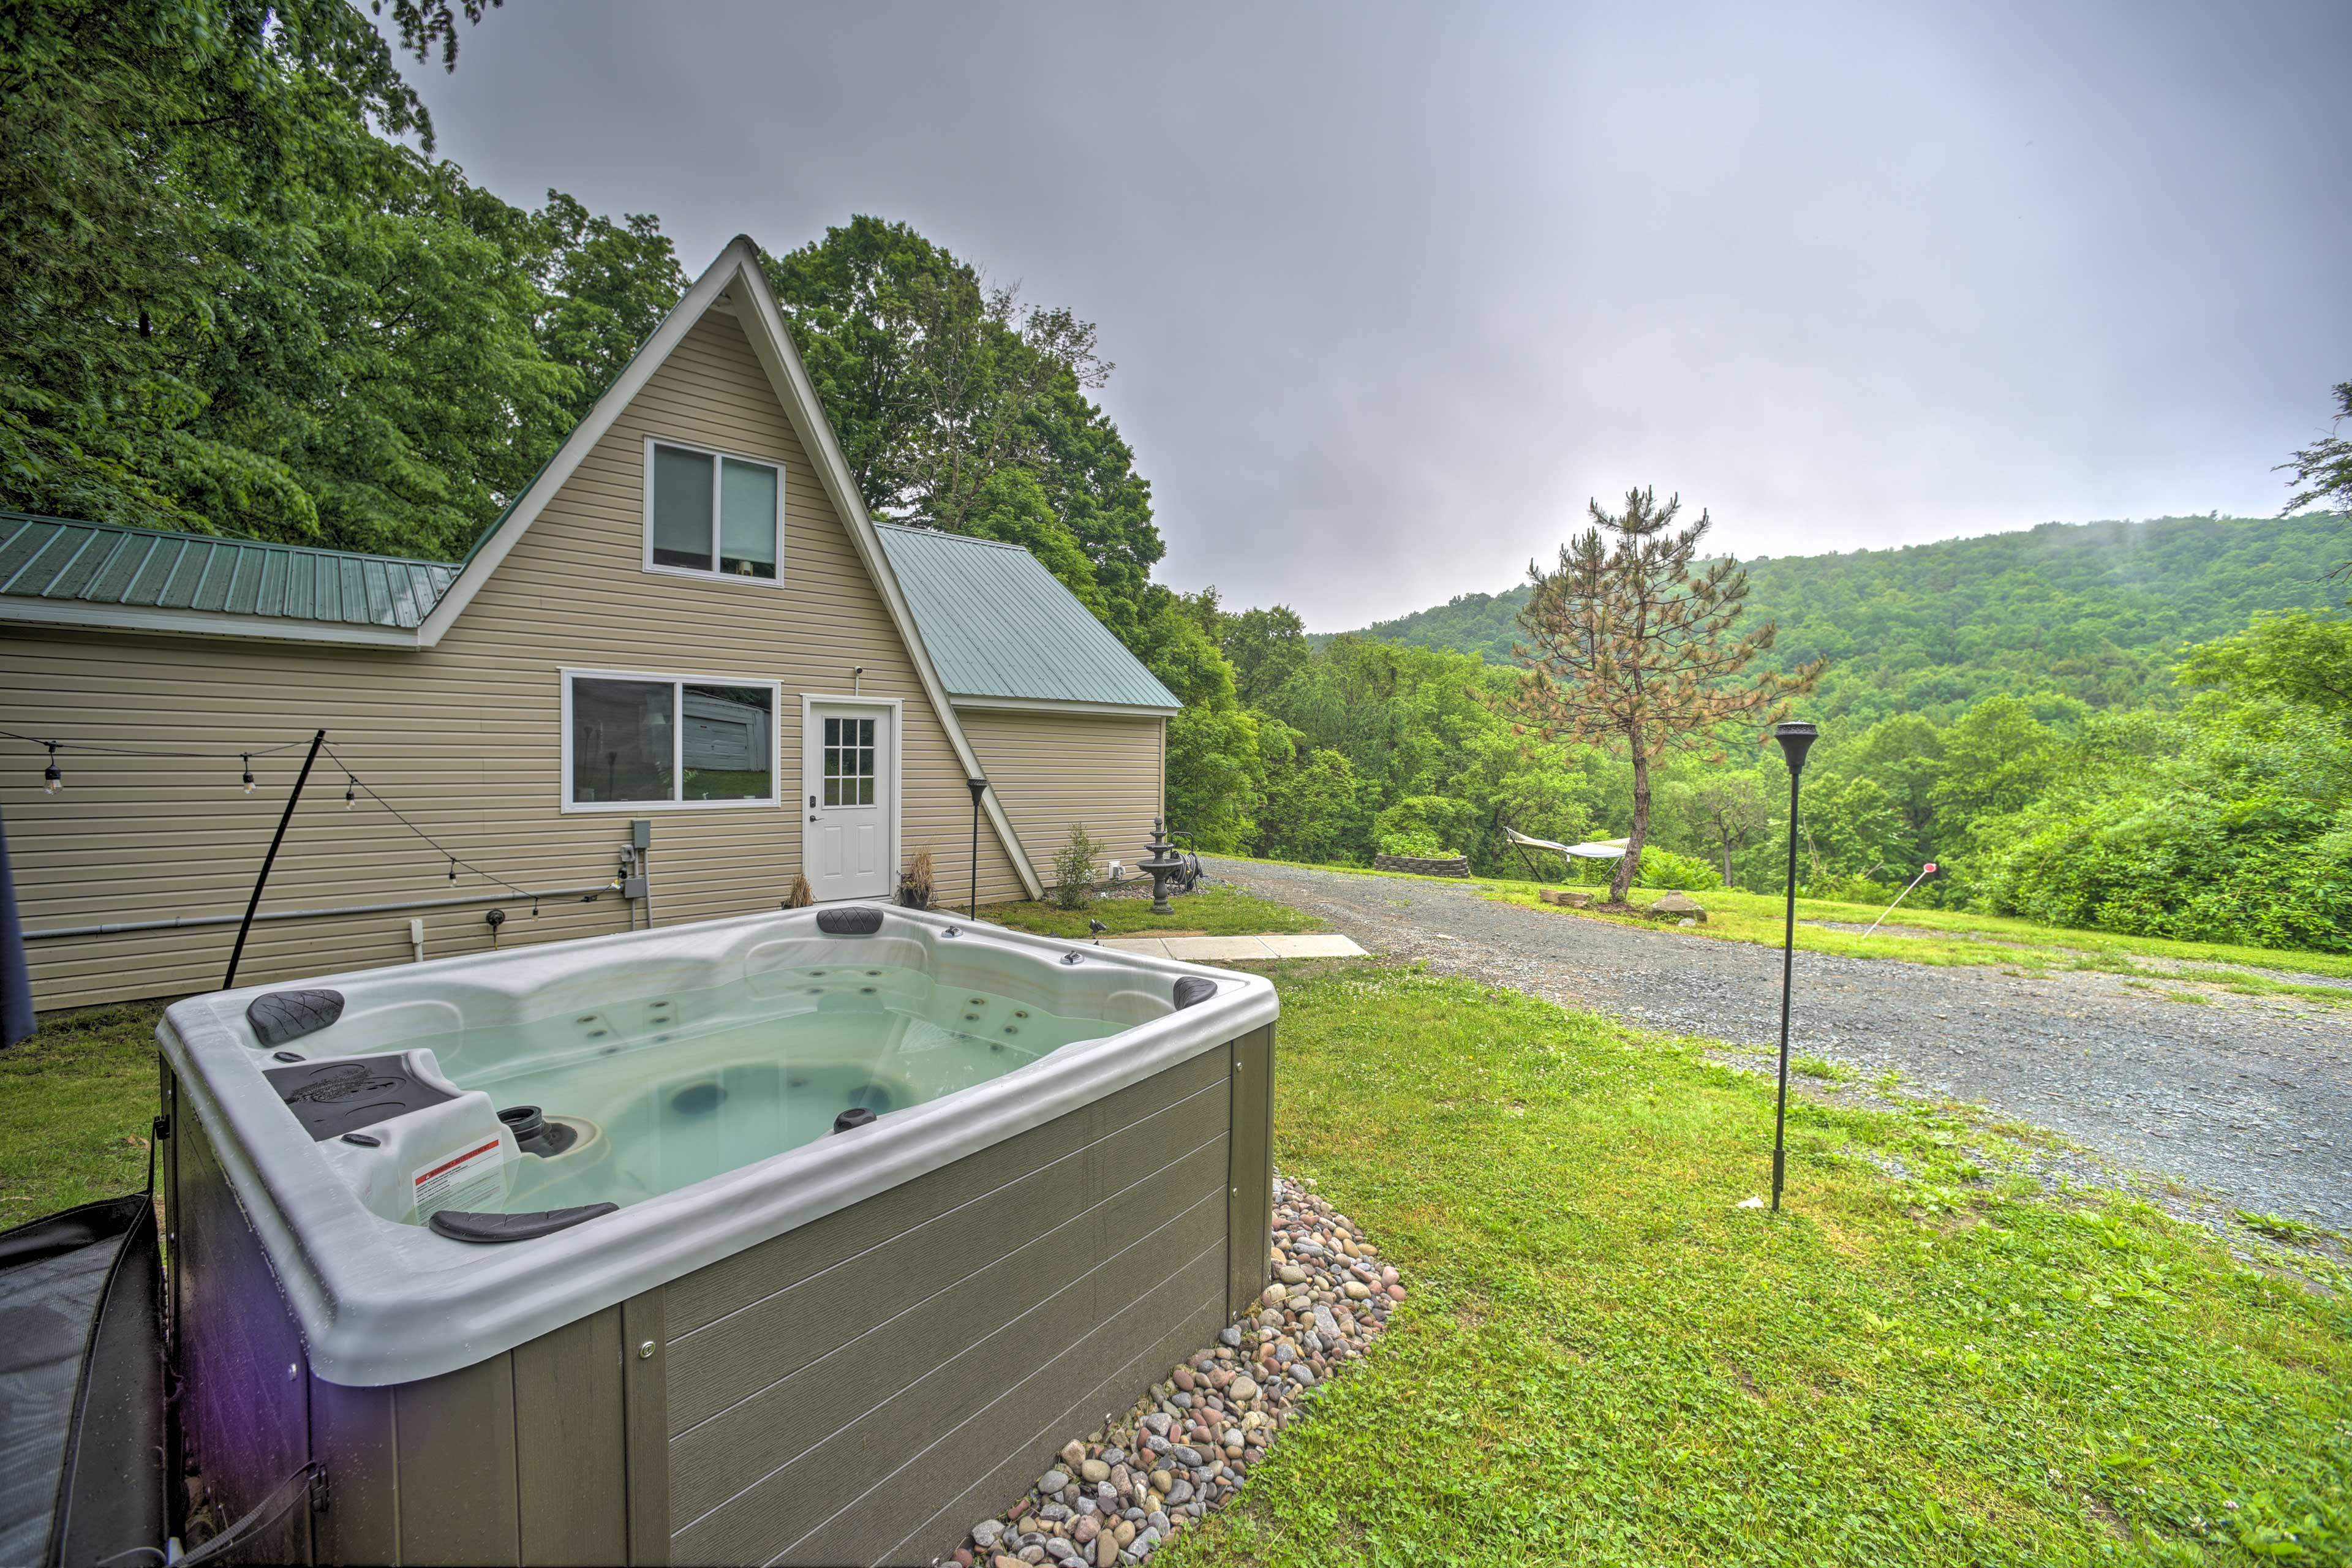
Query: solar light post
x,y
1796,738
979,787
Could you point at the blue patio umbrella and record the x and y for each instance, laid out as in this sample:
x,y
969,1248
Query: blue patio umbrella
x,y
16,979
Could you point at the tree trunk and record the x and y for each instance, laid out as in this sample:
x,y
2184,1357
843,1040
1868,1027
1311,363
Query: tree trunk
x,y
1631,859
1726,860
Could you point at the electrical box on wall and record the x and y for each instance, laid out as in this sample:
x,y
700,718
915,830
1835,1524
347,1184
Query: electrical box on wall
x,y
641,833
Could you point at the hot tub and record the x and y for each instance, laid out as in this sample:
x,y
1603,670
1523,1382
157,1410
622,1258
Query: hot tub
x,y
800,1237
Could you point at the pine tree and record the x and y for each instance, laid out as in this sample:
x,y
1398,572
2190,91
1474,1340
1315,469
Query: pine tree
x,y
1630,646
2323,470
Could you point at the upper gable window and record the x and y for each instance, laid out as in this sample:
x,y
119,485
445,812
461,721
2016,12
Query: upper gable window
x,y
712,514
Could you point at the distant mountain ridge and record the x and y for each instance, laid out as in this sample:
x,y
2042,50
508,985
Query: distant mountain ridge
x,y
2092,611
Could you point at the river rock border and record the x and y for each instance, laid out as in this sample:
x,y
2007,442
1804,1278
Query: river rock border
x,y
1114,1495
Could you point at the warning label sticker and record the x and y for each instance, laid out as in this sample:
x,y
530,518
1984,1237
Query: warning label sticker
x,y
461,1180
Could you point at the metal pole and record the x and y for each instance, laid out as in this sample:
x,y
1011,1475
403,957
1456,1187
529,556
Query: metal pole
x,y
1905,893
237,952
1788,971
978,788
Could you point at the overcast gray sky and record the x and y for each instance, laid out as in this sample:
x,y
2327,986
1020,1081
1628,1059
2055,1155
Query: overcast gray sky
x,y
1393,290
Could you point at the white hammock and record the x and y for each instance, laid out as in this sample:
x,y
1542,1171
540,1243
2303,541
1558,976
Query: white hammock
x,y
1596,849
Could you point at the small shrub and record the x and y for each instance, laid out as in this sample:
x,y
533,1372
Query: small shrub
x,y
1420,844
1664,868
1438,820
1847,890
2277,1226
1073,870
915,885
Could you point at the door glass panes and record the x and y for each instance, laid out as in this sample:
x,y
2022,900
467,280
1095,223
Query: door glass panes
x,y
622,744
727,742
849,762
747,519
682,509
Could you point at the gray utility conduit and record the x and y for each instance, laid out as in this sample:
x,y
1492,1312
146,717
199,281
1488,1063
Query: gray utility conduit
x,y
633,883
180,921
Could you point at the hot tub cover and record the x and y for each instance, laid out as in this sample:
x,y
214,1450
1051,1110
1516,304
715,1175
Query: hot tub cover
x,y
81,1384
381,1302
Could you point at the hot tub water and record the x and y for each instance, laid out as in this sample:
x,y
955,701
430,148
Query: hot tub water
x,y
686,1085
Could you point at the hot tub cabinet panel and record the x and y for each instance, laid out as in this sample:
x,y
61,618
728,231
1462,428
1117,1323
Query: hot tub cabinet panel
x,y
828,1410
522,1457
235,1343
1250,1201
857,1389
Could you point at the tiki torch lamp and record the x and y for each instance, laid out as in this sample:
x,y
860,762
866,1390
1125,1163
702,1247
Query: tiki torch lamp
x,y
1796,739
980,787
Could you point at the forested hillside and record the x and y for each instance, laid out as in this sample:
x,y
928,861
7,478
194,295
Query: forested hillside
x,y
2218,809
2096,611
2146,727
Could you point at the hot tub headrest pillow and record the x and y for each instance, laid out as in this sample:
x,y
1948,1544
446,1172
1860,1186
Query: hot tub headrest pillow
x,y
490,1229
1193,989
857,919
282,1015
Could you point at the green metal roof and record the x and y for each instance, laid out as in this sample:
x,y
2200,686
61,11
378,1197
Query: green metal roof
x,y
999,625
107,564
996,622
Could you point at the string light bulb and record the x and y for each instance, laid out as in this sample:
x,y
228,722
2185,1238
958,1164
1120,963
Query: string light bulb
x,y
452,867
248,773
350,792
52,780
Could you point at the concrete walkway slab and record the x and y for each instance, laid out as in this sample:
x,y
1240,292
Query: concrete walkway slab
x,y
1156,946
1314,946
1219,949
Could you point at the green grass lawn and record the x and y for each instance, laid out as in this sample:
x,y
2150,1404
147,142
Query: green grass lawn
x,y
1989,939
1964,939
1606,1361
1924,1360
1209,911
76,1103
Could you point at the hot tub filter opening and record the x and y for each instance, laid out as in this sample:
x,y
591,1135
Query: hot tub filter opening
x,y
535,1134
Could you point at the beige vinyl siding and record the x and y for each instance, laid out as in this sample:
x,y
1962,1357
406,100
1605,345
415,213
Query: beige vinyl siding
x,y
464,738
1051,770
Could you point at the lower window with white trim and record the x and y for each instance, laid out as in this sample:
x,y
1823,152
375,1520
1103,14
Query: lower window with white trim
x,y
631,742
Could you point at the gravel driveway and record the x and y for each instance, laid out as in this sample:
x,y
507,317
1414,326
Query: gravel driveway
x,y
2248,1097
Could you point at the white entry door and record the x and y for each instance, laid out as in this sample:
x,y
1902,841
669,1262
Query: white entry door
x,y
849,843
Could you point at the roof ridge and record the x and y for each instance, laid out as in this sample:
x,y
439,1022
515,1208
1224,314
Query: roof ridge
x,y
959,538
10,515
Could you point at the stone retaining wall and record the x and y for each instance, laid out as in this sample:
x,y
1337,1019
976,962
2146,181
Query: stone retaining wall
x,y
1457,865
